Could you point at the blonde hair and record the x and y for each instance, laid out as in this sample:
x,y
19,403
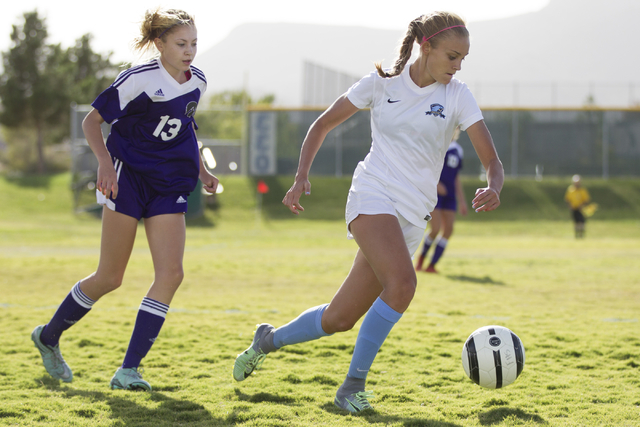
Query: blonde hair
x,y
159,23
429,26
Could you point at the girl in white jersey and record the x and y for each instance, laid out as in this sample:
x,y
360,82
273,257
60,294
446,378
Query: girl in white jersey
x,y
414,112
147,169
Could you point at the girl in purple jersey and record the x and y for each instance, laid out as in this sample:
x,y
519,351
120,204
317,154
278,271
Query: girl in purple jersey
x,y
450,197
415,108
147,169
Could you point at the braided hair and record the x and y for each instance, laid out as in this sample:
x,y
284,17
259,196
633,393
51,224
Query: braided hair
x,y
429,26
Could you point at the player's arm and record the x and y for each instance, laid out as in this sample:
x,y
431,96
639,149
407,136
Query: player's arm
x,y
107,181
209,181
587,198
460,196
488,198
339,111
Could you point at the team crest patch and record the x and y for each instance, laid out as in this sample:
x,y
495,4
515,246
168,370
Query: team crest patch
x,y
191,109
436,110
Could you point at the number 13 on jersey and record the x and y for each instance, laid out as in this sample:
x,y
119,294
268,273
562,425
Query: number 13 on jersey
x,y
174,127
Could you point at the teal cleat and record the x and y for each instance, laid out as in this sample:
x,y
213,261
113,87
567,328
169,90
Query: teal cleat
x,y
52,358
252,357
354,402
129,379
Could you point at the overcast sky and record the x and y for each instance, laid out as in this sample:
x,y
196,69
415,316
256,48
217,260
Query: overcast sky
x,y
115,23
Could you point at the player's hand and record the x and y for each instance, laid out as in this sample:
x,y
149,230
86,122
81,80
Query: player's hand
x,y
292,198
486,199
209,181
463,208
107,182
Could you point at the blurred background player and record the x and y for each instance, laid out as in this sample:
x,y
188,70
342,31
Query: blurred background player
x,y
148,167
577,197
415,108
450,194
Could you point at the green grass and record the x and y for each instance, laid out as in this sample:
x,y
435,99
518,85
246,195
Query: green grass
x,y
575,305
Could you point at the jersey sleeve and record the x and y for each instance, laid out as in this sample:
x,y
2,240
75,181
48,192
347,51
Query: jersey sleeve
x,y
468,110
112,102
361,93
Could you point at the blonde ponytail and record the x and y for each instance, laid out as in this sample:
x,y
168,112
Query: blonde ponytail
x,y
159,23
427,27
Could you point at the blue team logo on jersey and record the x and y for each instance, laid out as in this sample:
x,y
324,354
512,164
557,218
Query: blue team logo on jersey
x,y
191,109
436,110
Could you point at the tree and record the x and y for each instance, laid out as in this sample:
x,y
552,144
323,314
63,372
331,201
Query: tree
x,y
40,81
92,72
22,86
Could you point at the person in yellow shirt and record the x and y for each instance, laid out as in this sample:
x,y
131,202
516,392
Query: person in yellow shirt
x,y
577,197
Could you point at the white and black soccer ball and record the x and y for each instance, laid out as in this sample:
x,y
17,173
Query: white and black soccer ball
x,y
493,356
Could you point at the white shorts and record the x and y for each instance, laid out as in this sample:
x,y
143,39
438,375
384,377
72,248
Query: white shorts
x,y
371,202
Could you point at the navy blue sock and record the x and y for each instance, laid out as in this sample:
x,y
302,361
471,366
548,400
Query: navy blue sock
x,y
374,330
440,247
306,327
427,244
72,309
150,318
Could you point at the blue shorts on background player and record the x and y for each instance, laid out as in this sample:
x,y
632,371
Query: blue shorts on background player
x,y
450,196
147,168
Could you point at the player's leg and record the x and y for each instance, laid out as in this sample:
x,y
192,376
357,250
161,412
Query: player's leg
x,y
166,236
580,220
310,324
383,245
354,298
434,229
448,219
118,234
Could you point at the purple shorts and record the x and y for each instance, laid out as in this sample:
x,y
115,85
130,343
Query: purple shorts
x,y
447,202
136,198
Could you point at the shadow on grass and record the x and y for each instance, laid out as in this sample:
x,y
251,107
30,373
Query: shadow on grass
x,y
374,417
499,415
486,280
126,412
264,397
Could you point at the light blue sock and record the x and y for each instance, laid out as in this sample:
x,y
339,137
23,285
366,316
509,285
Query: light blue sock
x,y
374,330
306,327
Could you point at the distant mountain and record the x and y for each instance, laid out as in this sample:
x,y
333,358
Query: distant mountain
x,y
269,58
569,42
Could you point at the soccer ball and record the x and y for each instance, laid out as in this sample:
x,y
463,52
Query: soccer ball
x,y
493,356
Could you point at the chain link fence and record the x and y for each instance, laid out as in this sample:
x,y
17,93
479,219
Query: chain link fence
x,y
266,141
531,143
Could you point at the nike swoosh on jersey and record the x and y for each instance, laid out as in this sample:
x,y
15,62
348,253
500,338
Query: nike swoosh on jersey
x,y
393,102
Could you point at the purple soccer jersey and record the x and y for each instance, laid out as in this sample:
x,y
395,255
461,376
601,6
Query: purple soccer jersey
x,y
452,165
152,125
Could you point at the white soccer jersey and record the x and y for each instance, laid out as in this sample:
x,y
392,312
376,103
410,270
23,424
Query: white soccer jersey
x,y
411,128
152,118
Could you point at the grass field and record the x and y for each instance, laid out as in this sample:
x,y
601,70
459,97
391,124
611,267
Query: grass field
x,y
575,305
